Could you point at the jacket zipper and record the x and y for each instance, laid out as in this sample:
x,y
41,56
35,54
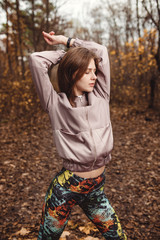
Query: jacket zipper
x,y
91,134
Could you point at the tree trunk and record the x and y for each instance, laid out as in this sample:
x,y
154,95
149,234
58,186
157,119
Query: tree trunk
x,y
33,26
20,39
157,25
158,28
16,70
157,55
152,90
138,27
47,15
47,22
7,38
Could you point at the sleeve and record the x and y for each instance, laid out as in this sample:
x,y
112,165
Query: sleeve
x,y
40,62
103,73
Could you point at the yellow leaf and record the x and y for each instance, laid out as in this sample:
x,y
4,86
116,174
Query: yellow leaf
x,y
22,232
16,84
87,229
72,224
64,235
113,52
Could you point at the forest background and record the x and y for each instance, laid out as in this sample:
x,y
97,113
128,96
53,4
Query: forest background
x,y
130,29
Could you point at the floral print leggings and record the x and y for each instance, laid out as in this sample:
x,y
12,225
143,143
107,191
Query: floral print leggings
x,y
67,190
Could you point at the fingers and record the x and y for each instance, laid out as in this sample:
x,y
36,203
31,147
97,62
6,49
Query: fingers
x,y
47,38
48,41
51,33
47,35
51,38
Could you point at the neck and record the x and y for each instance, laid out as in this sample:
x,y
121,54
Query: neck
x,y
78,94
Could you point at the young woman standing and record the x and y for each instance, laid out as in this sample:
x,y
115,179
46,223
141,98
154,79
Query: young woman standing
x,y
82,131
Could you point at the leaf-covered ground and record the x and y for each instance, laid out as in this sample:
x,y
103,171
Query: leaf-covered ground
x,y
29,162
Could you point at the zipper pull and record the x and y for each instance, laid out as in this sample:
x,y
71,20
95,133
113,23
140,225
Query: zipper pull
x,y
80,98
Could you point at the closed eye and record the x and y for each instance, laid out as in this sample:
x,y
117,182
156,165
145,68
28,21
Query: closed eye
x,y
90,70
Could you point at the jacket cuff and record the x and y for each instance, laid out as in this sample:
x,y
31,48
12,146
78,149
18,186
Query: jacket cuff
x,y
78,42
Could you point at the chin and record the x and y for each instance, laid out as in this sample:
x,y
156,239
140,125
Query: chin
x,y
88,90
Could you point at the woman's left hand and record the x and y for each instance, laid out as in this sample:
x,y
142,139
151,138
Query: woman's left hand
x,y
53,39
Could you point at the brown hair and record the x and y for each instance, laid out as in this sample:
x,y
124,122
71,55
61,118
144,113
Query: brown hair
x,y
72,67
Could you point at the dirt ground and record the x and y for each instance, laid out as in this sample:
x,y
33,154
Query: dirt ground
x,y
29,161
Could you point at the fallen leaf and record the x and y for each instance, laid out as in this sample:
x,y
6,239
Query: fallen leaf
x,y
72,224
91,238
22,232
64,235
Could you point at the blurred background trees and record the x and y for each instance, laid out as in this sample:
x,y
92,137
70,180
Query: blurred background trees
x,y
21,34
130,29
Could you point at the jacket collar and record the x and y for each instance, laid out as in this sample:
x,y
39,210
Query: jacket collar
x,y
81,101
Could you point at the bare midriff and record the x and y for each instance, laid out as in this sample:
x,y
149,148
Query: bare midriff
x,y
90,174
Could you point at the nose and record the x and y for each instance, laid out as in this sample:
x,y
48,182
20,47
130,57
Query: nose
x,y
94,77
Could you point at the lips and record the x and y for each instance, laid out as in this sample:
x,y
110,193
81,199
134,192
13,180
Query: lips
x,y
91,84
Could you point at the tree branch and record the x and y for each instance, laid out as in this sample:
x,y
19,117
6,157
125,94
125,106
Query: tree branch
x,y
158,9
150,15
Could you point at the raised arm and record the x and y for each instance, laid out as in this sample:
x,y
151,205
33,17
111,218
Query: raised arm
x,y
40,62
103,73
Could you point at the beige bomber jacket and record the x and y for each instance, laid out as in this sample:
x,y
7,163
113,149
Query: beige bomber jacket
x,y
82,134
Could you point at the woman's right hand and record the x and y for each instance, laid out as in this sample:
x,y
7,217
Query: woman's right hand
x,y
53,39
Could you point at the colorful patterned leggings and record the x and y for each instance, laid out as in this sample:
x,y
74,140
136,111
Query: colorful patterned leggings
x,y
67,190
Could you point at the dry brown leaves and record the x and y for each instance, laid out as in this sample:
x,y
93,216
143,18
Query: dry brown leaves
x,y
29,162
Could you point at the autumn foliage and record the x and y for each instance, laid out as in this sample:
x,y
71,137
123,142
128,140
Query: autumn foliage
x,y
28,159
134,70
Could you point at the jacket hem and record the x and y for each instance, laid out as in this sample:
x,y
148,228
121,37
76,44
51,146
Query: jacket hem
x,y
78,167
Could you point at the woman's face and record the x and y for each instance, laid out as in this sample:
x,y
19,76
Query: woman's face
x,y
87,82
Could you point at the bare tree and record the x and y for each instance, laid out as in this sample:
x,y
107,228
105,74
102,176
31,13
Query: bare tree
x,y
7,36
151,16
33,24
20,34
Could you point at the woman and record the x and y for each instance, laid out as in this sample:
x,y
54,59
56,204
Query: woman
x,y
82,131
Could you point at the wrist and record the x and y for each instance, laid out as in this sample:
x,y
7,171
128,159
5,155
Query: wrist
x,y
68,42
64,40
71,42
